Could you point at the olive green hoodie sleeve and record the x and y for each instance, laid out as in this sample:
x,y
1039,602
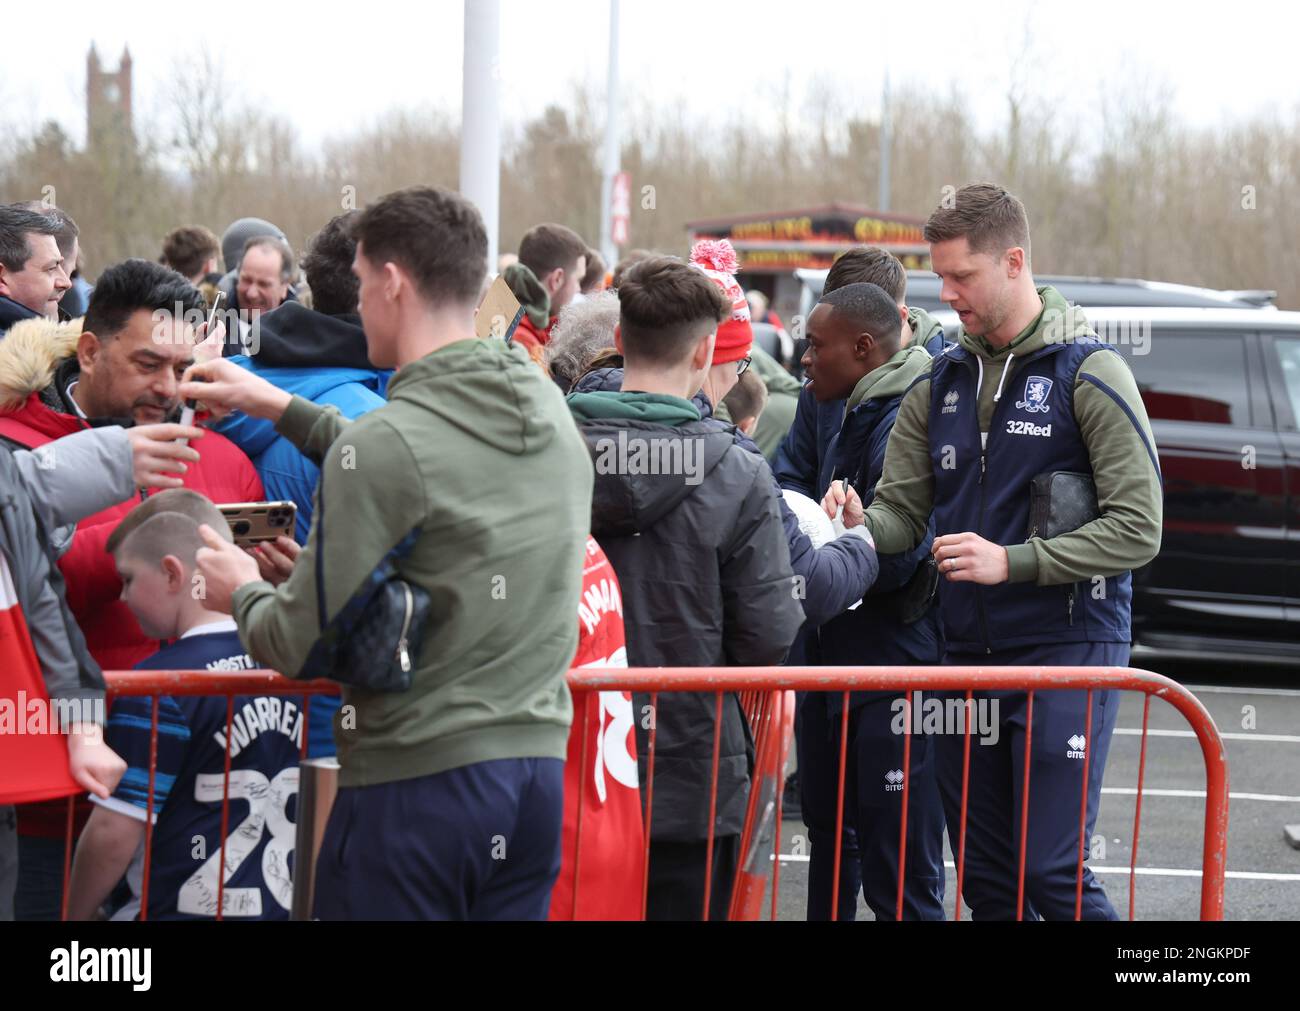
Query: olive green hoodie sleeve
x,y
900,512
278,626
1114,426
1113,423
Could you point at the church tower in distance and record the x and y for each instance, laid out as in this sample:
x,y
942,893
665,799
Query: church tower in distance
x,y
108,98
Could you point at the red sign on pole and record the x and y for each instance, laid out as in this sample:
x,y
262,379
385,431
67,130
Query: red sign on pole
x,y
620,215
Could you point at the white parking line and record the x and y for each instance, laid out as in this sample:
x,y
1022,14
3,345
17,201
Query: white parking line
x,y
1225,690
1168,872
1277,798
1184,872
1271,738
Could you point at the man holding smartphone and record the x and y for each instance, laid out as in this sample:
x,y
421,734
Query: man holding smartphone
x,y
451,793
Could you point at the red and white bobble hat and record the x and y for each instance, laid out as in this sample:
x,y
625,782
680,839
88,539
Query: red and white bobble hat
x,y
717,258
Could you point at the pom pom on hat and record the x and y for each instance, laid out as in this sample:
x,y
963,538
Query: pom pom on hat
x,y
718,260
716,254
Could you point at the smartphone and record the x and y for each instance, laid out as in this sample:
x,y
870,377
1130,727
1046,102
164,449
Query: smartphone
x,y
187,410
254,522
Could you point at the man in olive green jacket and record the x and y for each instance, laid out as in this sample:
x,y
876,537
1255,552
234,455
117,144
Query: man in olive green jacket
x,y
451,792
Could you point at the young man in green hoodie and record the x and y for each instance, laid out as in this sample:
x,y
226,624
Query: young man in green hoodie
x,y
1029,391
451,793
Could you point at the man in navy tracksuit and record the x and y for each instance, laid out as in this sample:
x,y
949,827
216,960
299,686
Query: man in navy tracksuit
x,y
1029,391
804,464
854,352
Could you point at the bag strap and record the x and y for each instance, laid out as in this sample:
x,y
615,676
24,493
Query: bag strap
x,y
386,565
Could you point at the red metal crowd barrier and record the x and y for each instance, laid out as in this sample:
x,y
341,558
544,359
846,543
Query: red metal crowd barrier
x,y
766,697
906,680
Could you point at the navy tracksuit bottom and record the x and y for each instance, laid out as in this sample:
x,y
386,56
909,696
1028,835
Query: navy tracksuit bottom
x,y
1055,788
481,842
873,808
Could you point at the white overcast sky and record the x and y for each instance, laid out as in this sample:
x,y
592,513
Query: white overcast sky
x,y
334,65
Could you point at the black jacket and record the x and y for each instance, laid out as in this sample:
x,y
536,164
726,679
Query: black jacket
x,y
834,576
705,576
12,312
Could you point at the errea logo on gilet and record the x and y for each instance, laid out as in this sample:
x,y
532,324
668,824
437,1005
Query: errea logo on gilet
x,y
893,780
1076,744
950,402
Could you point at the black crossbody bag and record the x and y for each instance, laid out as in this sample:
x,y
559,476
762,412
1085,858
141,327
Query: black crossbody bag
x,y
373,641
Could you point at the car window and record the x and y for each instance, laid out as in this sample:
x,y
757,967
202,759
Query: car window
x,y
1288,352
1192,377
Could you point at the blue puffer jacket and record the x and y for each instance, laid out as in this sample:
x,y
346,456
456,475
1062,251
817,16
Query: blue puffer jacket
x,y
319,358
834,576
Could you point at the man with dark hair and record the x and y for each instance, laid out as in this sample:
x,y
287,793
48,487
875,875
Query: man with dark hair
x,y
66,232
1029,391
121,366
708,500
593,281
472,754
552,264
32,269
68,236
630,259
192,251
328,266
855,357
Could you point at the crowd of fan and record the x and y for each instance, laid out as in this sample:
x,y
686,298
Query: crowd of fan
x,y
354,385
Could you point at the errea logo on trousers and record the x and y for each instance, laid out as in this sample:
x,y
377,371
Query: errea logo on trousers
x,y
893,780
1076,744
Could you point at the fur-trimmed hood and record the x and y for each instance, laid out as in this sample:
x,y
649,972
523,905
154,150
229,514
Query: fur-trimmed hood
x,y
30,353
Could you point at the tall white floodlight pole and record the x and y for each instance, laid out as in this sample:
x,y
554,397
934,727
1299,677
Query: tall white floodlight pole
x,y
886,143
480,123
613,154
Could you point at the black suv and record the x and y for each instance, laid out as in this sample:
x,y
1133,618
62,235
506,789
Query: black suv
x,y
1222,388
923,292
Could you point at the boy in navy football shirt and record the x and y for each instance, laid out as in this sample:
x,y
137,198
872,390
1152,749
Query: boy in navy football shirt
x,y
154,548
